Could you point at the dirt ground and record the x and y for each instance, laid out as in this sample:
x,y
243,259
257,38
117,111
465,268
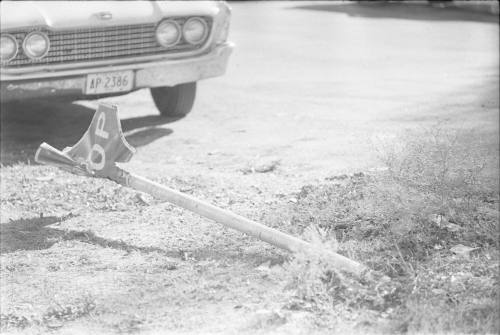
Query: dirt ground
x,y
298,104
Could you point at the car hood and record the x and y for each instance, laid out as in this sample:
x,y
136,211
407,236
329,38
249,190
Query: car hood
x,y
60,15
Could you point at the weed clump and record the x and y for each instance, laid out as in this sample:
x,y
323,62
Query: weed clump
x,y
438,190
318,286
53,317
439,186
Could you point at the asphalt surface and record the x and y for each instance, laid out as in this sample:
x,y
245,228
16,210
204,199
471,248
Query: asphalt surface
x,y
313,85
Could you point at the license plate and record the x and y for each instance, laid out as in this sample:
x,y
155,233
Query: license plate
x,y
109,82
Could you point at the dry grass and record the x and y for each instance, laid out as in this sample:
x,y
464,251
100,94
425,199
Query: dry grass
x,y
395,221
439,189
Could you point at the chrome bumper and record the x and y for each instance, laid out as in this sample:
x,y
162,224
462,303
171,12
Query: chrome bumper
x,y
148,74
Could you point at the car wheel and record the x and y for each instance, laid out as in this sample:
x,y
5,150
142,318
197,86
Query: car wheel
x,y
174,101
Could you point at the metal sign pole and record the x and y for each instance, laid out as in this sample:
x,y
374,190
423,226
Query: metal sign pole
x,y
103,145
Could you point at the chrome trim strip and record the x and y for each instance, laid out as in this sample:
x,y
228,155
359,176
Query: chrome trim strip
x,y
109,62
134,66
159,74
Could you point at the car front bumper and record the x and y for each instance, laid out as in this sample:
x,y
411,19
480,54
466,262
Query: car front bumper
x,y
72,83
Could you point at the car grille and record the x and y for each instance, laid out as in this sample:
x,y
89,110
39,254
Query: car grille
x,y
90,44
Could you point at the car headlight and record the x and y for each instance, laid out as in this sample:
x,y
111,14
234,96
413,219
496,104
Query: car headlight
x,y
195,30
8,47
36,45
168,33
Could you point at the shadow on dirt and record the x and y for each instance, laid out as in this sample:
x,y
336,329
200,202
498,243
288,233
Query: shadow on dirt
x,y
385,10
28,234
33,234
24,126
219,252
143,137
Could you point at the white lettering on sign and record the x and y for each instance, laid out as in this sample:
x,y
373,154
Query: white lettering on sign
x,y
96,148
97,165
99,131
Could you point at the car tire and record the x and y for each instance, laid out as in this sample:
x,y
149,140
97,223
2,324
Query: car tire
x,y
174,101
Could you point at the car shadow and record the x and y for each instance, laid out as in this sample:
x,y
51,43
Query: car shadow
x,y
408,11
24,126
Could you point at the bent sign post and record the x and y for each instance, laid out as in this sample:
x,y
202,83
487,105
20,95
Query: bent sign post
x,y
103,145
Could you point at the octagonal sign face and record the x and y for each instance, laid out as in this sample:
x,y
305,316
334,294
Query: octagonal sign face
x,y
103,144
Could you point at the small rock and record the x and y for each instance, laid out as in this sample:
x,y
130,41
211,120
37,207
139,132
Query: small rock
x,y
44,178
262,167
54,324
438,291
267,166
142,199
264,266
462,250
438,219
452,227
171,266
266,318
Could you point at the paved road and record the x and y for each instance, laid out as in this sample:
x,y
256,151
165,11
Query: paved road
x,y
310,84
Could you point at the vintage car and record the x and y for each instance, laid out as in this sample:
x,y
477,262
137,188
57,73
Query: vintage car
x,y
93,49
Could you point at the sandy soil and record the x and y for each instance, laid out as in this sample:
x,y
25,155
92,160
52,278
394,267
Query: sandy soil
x,y
311,89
